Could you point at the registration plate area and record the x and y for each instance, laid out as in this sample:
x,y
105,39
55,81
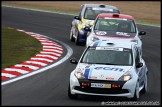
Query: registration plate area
x,y
100,85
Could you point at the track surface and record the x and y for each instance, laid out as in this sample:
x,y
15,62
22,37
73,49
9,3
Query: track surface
x,y
50,87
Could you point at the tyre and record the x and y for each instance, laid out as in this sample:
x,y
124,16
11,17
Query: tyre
x,y
71,96
136,93
77,39
145,88
71,36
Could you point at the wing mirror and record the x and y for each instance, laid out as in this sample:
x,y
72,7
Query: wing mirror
x,y
87,28
142,33
73,61
139,65
77,18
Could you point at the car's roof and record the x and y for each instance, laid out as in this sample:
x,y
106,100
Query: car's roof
x,y
115,15
101,5
112,44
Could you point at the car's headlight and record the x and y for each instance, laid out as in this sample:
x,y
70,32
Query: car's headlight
x,y
94,38
125,77
83,25
134,40
78,73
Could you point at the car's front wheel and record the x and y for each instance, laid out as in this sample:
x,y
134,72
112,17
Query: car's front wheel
x,y
77,38
145,88
136,93
71,35
71,96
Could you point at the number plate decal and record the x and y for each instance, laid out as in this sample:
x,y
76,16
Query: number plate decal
x,y
100,85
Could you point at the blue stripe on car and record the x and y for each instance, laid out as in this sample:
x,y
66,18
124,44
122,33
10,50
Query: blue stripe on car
x,y
95,44
86,73
99,44
90,73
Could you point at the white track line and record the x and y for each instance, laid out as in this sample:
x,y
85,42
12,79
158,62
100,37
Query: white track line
x,y
43,59
52,53
36,62
17,70
8,75
44,40
53,50
53,47
29,66
53,57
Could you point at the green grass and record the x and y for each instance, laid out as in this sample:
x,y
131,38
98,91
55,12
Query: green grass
x,y
17,47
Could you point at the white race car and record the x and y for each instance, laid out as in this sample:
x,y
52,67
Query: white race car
x,y
109,68
110,26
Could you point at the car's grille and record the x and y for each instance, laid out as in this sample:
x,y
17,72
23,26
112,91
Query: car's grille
x,y
101,90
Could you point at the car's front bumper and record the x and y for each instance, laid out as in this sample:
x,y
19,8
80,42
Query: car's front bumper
x,y
127,89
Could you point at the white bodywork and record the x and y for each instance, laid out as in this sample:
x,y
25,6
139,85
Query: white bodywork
x,y
110,73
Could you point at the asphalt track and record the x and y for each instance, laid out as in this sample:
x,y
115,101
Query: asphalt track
x,y
50,87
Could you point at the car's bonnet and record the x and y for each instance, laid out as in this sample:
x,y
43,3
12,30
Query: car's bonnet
x,y
103,72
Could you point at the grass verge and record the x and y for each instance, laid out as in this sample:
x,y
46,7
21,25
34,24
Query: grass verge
x,y
17,47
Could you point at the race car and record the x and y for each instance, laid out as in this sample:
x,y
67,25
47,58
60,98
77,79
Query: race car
x,y
115,26
109,68
86,17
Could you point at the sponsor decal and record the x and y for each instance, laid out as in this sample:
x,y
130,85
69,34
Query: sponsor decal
x,y
122,33
93,77
102,9
115,18
107,48
109,78
109,68
101,33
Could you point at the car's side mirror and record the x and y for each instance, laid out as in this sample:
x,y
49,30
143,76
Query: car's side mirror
x,y
142,33
77,18
73,61
139,65
87,28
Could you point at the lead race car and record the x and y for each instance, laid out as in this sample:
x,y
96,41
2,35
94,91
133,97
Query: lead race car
x,y
115,26
112,68
86,17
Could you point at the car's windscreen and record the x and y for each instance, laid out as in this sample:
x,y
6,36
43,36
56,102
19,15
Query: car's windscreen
x,y
115,25
109,57
91,13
